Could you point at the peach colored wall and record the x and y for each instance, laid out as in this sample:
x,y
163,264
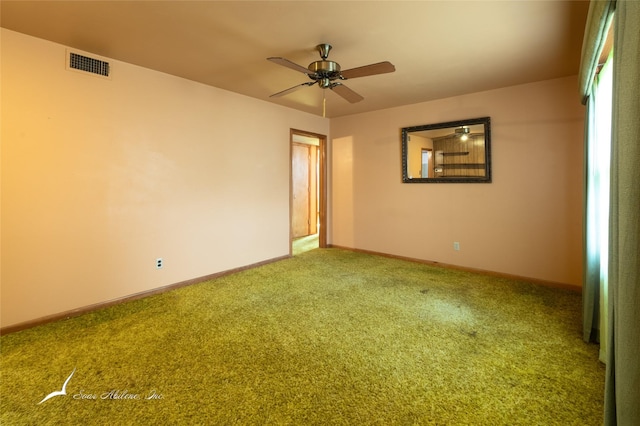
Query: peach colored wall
x,y
101,177
527,222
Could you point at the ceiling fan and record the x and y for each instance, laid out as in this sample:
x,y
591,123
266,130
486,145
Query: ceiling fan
x,y
327,74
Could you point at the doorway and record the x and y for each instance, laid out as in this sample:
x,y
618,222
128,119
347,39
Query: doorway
x,y
427,166
308,189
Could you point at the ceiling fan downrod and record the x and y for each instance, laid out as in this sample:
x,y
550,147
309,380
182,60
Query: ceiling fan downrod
x,y
324,50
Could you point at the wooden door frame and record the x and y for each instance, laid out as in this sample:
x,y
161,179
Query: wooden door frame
x,y
322,195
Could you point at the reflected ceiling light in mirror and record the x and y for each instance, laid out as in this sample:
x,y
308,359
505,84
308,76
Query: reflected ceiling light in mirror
x,y
463,133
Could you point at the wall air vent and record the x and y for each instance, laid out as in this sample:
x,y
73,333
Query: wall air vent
x,y
80,62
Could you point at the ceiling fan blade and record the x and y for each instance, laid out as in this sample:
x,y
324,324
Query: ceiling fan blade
x,y
346,93
373,69
287,63
292,89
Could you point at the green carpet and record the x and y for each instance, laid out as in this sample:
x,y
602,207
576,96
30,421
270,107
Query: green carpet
x,y
328,337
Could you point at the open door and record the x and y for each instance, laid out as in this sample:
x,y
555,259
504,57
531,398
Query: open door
x,y
304,212
308,185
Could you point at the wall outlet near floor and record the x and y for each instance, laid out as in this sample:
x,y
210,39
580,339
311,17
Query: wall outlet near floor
x,y
456,246
159,263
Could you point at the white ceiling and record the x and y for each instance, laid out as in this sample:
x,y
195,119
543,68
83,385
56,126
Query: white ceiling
x,y
439,48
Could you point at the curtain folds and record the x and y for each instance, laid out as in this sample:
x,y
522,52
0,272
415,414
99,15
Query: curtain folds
x,y
595,262
622,388
599,19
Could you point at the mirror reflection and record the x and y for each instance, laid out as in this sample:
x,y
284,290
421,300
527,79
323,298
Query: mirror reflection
x,y
457,151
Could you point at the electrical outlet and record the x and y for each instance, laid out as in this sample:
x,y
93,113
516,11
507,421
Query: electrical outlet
x,y
159,263
456,246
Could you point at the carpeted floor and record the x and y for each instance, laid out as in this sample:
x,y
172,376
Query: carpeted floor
x,y
303,244
328,337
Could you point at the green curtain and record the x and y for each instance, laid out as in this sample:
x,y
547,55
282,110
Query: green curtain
x,y
598,22
622,389
594,275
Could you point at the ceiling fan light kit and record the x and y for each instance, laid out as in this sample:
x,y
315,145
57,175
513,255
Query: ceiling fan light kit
x,y
327,74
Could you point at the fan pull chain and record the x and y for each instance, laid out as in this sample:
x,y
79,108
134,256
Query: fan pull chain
x,y
324,104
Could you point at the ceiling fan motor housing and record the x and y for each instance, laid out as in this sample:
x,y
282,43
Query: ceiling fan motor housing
x,y
324,69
